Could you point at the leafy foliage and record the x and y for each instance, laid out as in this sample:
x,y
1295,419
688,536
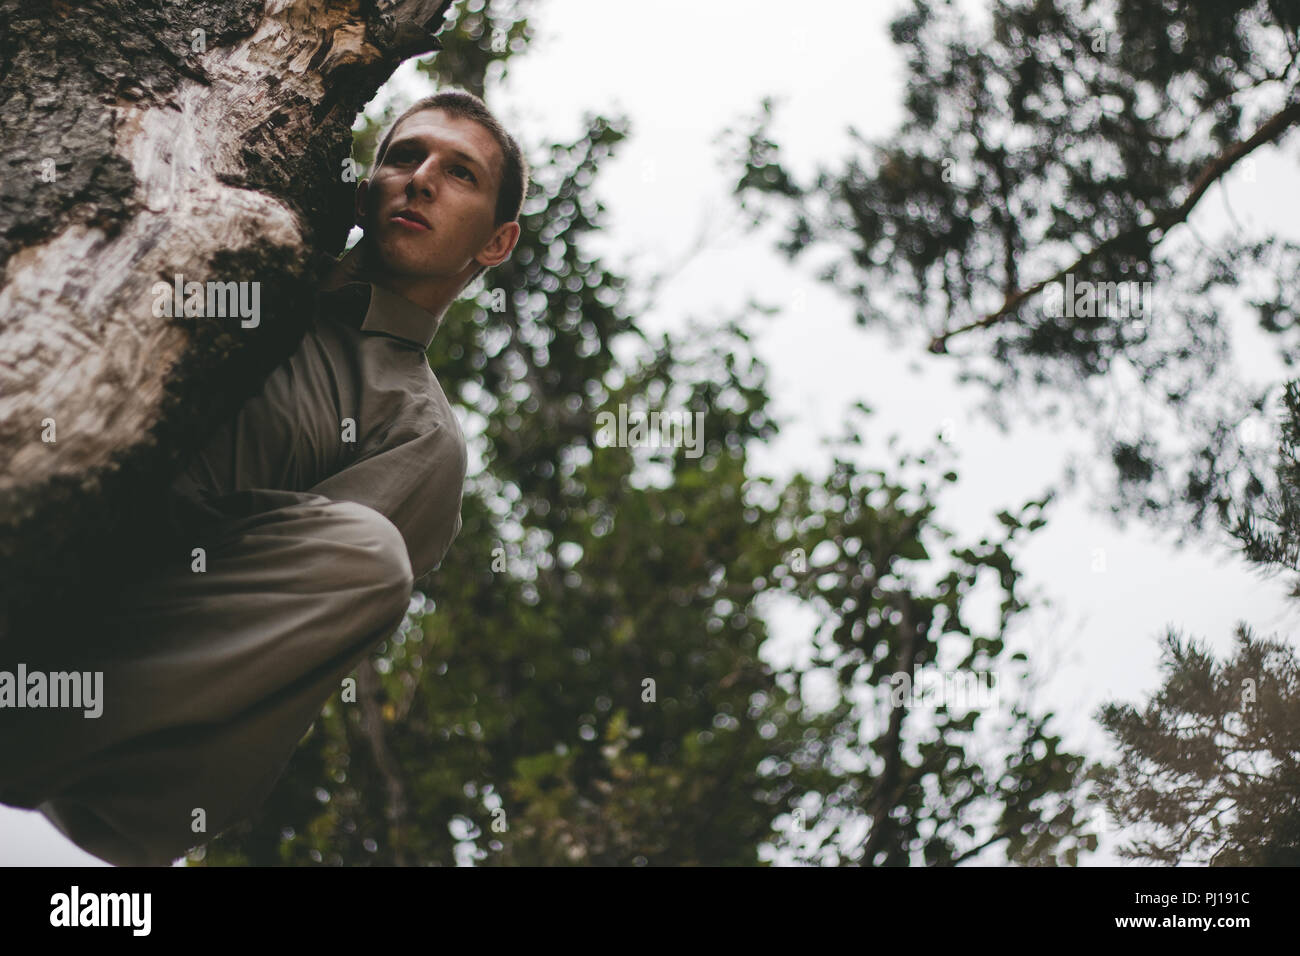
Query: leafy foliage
x,y
1073,138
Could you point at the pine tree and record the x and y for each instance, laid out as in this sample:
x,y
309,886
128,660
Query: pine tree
x,y
1210,766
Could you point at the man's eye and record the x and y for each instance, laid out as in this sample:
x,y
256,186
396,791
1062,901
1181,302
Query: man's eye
x,y
471,176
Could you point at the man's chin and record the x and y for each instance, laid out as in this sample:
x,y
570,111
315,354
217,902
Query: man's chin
x,y
398,258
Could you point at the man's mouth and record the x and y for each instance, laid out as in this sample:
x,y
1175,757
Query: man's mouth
x,y
411,220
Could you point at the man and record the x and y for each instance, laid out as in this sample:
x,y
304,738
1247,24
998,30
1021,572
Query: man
x,y
300,526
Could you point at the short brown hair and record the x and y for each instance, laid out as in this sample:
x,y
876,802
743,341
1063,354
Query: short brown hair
x,y
515,173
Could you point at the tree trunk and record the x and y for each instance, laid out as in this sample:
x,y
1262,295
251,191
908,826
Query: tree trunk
x,y
146,140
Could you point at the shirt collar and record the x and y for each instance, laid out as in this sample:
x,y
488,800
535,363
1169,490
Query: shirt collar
x,y
387,312
394,315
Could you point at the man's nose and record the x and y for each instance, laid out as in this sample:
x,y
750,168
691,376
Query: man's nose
x,y
422,180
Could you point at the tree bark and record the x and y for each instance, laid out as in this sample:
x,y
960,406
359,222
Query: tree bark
x,y
146,140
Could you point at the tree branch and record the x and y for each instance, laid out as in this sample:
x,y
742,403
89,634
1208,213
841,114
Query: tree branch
x,y
892,743
1153,232
373,725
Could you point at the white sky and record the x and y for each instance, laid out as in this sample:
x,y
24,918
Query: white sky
x,y
683,74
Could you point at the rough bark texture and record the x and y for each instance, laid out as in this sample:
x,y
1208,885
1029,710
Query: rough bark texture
x,y
131,157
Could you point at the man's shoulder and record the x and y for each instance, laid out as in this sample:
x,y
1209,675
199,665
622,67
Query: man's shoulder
x,y
427,402
446,416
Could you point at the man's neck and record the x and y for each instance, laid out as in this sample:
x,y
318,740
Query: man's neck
x,y
353,267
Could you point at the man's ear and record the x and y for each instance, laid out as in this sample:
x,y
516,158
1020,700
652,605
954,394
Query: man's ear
x,y
500,246
359,204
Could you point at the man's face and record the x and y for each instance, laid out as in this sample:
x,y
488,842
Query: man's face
x,y
446,170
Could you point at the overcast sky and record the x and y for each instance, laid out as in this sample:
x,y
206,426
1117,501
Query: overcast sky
x,y
682,71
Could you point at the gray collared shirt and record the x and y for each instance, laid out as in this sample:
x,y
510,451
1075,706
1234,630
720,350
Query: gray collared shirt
x,y
355,414
209,681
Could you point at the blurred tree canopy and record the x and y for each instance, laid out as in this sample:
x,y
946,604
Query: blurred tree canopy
x,y
1068,142
580,682
1208,767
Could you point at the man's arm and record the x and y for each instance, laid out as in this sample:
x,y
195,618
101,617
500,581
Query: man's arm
x,y
416,480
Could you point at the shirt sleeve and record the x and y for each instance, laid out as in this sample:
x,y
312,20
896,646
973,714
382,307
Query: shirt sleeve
x,y
409,464
415,477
